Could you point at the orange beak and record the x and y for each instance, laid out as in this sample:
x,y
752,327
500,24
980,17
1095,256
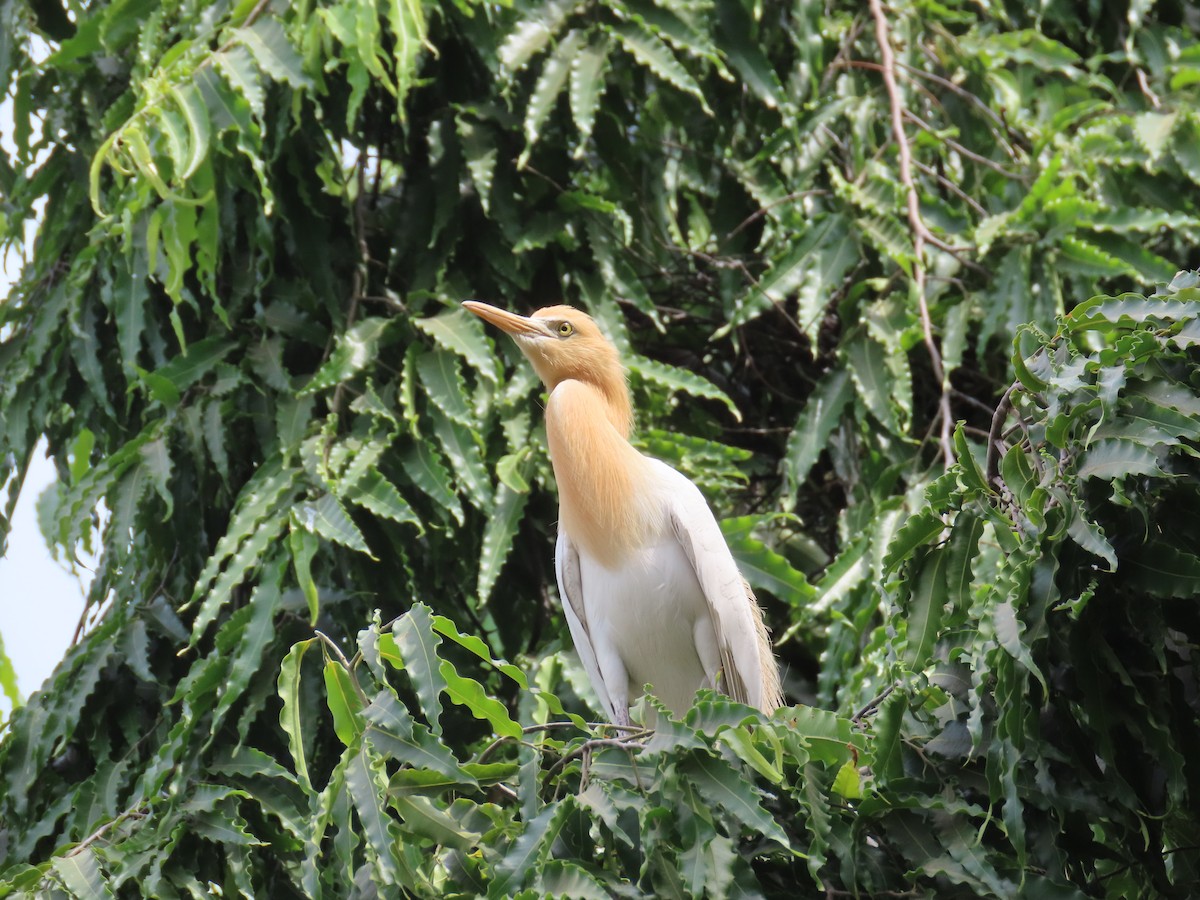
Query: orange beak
x,y
517,326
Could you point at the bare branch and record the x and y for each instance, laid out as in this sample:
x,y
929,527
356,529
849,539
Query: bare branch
x,y
920,231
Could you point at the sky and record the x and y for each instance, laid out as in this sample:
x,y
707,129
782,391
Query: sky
x,y
40,600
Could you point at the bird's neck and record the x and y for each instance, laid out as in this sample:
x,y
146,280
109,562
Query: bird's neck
x,y
606,502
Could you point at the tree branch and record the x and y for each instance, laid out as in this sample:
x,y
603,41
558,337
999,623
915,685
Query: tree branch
x,y
920,231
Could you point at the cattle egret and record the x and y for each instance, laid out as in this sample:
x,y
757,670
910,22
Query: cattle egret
x,y
651,592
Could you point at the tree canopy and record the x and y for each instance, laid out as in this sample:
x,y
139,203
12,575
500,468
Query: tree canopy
x,y
899,287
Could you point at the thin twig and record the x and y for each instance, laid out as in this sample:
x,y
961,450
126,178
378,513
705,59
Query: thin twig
x,y
963,151
133,813
991,467
920,231
1147,90
762,211
952,188
873,705
624,743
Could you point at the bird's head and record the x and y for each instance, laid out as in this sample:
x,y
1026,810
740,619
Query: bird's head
x,y
560,341
563,343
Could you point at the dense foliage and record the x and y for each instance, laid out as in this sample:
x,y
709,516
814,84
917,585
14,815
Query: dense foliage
x,y
322,654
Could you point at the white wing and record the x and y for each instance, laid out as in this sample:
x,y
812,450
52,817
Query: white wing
x,y
570,588
729,603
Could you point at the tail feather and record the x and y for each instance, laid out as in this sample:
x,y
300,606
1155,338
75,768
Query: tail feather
x,y
772,689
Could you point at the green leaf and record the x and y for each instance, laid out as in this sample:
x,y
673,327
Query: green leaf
x,y
763,567
587,86
468,693
444,385
1164,570
327,518
926,604
291,718
303,544
356,349
822,413
423,818
508,507
530,847
376,494
676,379
461,446
1113,458
868,368
191,104
550,84
424,466
462,333
722,786
651,52
273,52
918,530
81,875
341,695
417,643
366,784
1153,130
446,627
393,732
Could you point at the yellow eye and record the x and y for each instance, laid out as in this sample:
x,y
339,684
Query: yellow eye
x,y
565,329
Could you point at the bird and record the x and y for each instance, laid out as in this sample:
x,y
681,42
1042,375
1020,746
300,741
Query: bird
x,y
651,592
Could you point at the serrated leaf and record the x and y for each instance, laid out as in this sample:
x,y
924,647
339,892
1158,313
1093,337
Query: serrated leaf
x,y
532,34
291,718
444,385
649,50
918,529
195,113
546,90
417,643
393,732
504,519
466,459
156,460
1114,458
587,86
1164,570
239,70
366,784
763,567
469,694
719,784
925,607
462,333
867,362
376,494
447,628
1152,131
530,847
424,466
421,817
821,415
356,348
273,52
81,875
344,702
677,379
327,518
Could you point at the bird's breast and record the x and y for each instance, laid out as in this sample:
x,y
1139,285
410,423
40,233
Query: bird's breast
x,y
651,611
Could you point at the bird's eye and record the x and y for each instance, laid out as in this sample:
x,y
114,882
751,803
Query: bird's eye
x,y
565,329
